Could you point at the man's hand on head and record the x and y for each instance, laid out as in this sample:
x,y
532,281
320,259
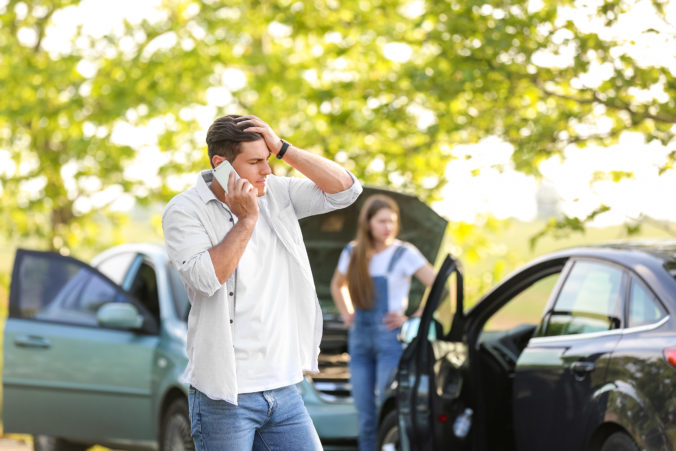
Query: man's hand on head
x,y
328,175
254,124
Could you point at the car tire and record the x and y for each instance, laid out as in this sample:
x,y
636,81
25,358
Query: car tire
x,y
47,443
388,432
175,429
619,441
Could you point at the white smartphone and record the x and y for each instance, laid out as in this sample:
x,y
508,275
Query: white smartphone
x,y
222,174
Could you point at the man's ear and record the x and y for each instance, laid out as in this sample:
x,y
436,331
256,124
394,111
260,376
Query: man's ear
x,y
216,160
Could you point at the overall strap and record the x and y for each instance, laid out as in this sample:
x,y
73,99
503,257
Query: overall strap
x,y
398,253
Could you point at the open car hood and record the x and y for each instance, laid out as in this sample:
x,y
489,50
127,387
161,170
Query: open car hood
x,y
326,235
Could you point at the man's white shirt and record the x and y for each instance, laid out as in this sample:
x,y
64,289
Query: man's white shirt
x,y
196,221
265,333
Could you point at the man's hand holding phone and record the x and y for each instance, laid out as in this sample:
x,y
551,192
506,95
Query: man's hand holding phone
x,y
223,173
240,194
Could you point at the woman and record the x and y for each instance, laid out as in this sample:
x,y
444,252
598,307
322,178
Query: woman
x,y
370,288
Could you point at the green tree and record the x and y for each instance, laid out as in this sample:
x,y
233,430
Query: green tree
x,y
61,105
386,87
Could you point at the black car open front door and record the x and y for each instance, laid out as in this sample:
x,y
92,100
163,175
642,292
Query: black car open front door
x,y
431,376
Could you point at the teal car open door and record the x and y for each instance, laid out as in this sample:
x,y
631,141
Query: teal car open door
x,y
75,341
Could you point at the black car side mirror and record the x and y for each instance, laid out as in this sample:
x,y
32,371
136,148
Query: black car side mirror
x,y
409,330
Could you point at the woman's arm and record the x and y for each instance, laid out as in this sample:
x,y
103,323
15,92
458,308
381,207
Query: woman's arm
x,y
426,275
341,297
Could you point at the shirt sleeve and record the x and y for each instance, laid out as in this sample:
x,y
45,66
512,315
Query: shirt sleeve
x,y
344,259
412,260
188,248
309,200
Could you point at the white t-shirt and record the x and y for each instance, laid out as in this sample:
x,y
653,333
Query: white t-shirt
x,y
265,329
399,279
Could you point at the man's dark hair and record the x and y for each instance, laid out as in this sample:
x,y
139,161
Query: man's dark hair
x,y
225,137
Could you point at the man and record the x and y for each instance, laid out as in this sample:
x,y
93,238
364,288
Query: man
x,y
255,323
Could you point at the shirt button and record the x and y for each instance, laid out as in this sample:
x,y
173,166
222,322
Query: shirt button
x,y
231,321
231,293
232,220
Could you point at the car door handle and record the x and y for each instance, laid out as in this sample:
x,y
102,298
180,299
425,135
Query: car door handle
x,y
32,341
581,368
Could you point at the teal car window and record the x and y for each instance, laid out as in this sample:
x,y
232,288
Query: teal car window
x,y
144,289
51,289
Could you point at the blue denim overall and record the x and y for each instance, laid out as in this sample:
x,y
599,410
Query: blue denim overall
x,y
374,354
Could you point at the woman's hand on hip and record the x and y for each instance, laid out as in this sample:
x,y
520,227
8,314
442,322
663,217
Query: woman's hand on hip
x,y
348,319
394,320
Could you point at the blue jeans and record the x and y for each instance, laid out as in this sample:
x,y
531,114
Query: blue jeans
x,y
374,354
269,420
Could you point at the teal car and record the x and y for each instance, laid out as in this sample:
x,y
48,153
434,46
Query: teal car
x,y
93,354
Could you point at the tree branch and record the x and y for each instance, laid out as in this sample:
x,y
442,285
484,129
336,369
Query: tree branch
x,y
665,226
668,119
41,25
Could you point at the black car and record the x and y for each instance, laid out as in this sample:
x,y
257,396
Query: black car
x,y
574,351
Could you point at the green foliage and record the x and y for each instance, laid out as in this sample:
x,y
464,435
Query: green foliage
x,y
319,73
564,227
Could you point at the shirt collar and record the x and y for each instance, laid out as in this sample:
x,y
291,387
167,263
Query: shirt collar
x,y
204,178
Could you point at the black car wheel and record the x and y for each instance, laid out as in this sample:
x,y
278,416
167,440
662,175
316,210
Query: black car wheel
x,y
46,443
388,433
619,441
175,431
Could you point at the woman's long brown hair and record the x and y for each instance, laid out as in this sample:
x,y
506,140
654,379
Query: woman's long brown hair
x,y
359,281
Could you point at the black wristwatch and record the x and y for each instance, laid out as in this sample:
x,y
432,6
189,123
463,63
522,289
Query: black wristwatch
x,y
282,151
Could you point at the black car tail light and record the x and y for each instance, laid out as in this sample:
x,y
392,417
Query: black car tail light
x,y
670,356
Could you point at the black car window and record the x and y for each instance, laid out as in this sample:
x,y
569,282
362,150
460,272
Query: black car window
x,y
671,267
590,300
61,290
526,307
178,293
443,315
643,307
144,289
116,266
